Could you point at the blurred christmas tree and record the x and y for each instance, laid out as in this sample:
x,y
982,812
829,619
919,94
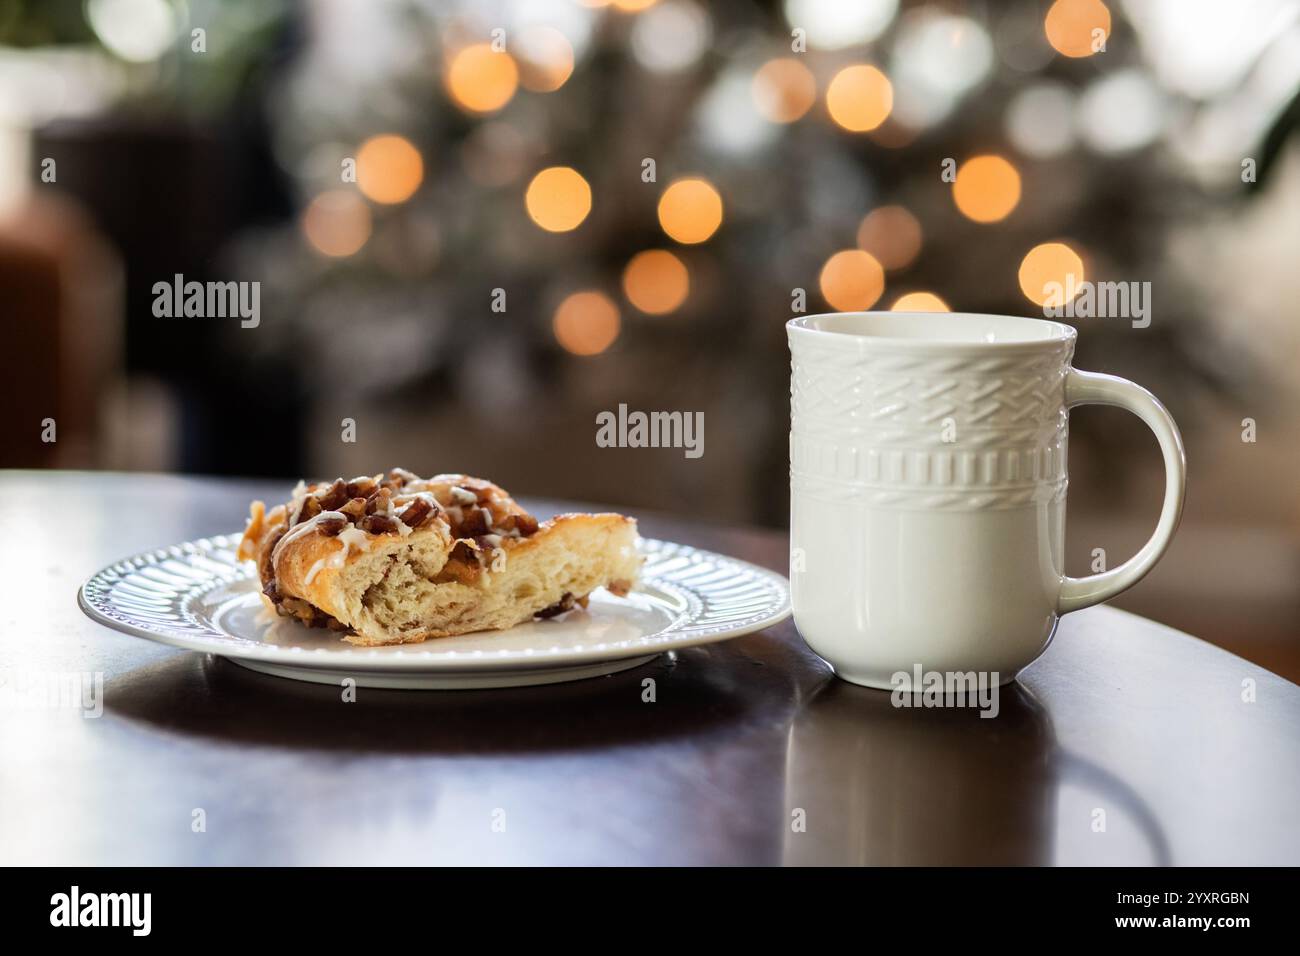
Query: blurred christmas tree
x,y
479,225
517,214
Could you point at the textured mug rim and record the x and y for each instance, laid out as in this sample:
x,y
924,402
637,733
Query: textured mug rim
x,y
801,327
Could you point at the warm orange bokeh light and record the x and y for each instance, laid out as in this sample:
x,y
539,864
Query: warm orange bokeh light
x,y
852,280
690,210
633,6
482,80
892,235
337,223
1077,28
389,169
1050,273
784,90
586,323
558,199
859,98
545,59
920,302
987,188
656,282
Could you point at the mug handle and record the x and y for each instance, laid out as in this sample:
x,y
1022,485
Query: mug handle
x,y
1091,388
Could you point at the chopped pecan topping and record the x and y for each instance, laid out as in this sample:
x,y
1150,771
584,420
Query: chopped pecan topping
x,y
333,497
379,501
310,509
331,525
475,521
399,478
362,487
464,552
417,512
378,524
525,524
355,509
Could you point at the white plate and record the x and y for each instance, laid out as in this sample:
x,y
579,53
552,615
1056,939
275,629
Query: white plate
x,y
198,596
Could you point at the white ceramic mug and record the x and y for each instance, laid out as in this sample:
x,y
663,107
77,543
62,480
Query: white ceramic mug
x,y
927,490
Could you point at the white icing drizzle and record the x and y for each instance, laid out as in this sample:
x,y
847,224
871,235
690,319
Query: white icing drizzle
x,y
297,498
352,536
297,531
315,570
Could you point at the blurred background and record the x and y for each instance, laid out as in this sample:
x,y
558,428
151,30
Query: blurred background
x,y
476,225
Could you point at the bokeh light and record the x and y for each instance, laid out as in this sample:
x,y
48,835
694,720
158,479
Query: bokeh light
x,y
558,199
136,30
586,323
835,24
727,119
671,36
1040,120
1049,272
633,6
937,58
482,80
389,169
1071,27
1122,111
337,223
1199,50
784,90
690,210
947,53
892,235
656,281
987,188
545,58
919,302
852,280
859,98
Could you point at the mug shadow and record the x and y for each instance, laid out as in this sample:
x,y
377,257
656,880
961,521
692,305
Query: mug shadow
x,y
884,785
697,693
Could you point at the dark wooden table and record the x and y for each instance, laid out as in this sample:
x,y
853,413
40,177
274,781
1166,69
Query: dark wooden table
x,y
1127,742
